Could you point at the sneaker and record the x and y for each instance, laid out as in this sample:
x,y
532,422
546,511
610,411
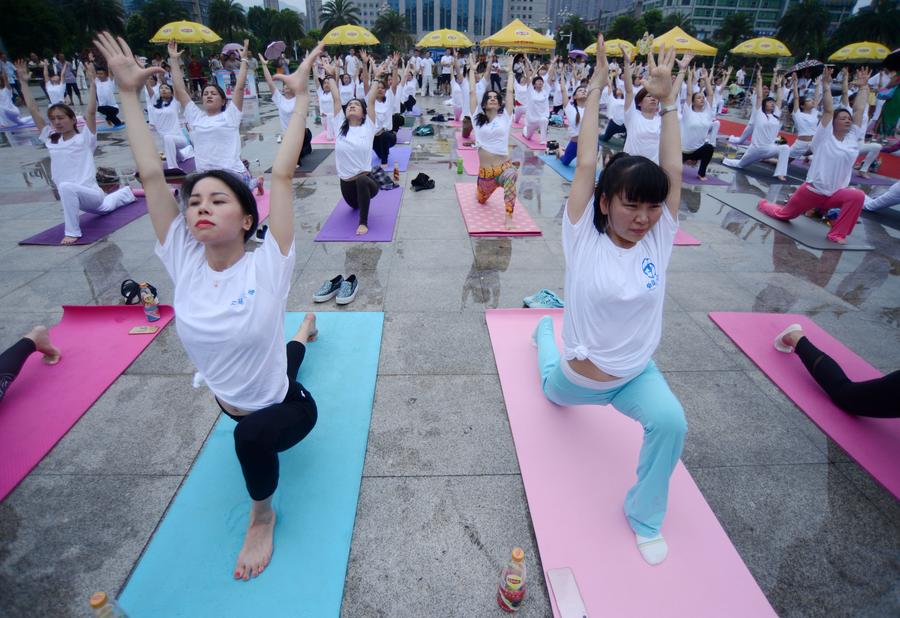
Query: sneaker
x,y
260,235
348,290
328,290
544,299
730,162
186,153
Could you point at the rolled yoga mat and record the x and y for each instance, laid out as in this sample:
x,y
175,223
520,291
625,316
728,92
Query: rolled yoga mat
x,y
94,226
804,230
342,222
872,442
46,400
188,565
489,219
321,138
577,465
397,154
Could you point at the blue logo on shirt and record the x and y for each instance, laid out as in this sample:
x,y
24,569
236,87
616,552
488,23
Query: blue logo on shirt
x,y
649,269
240,300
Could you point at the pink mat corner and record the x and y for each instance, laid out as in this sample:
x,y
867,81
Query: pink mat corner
x,y
455,123
873,442
534,144
322,139
460,141
46,400
490,219
577,464
683,239
470,161
262,204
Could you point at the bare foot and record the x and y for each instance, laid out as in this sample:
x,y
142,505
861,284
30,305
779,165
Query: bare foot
x,y
69,240
260,186
257,550
307,331
362,229
863,174
41,337
792,338
840,241
701,177
782,178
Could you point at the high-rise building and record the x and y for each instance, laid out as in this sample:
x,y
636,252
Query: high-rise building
x,y
271,4
532,13
313,8
475,18
197,10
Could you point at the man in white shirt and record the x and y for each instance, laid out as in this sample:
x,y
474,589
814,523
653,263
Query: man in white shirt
x,y
740,77
415,62
427,69
351,63
446,70
106,97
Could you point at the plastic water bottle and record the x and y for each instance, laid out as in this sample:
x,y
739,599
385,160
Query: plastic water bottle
x,y
104,607
459,165
511,590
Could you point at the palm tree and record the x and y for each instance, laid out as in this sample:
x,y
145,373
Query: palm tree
x,y
226,17
287,27
157,13
390,28
90,16
624,27
259,21
735,28
803,27
681,20
338,13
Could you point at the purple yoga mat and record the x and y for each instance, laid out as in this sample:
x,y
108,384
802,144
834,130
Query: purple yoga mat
x,y
397,154
404,135
93,226
689,176
343,220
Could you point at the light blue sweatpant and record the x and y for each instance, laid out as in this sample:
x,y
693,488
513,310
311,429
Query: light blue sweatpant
x,y
646,399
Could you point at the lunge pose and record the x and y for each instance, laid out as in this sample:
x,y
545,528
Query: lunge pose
x,y
698,115
537,106
766,121
617,240
105,93
230,304
806,119
165,118
286,102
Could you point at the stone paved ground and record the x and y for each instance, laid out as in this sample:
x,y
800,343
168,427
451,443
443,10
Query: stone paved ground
x,y
442,501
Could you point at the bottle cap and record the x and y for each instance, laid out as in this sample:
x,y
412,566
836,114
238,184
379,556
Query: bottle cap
x,y
98,600
518,554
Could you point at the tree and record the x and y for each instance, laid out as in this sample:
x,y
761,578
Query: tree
x,y
390,28
803,28
18,31
879,23
679,20
338,13
91,16
260,20
286,26
651,21
581,35
736,27
226,17
624,27
158,13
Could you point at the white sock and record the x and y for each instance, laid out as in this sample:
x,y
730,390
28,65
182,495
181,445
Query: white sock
x,y
653,548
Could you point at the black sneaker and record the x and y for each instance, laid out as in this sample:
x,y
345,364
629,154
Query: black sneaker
x,y
348,291
328,290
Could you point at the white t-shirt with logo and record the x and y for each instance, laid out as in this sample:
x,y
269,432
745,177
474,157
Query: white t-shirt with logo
x,y
614,296
353,152
642,134
72,160
231,322
216,138
832,166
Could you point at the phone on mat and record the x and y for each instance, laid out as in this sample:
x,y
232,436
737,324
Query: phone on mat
x,y
146,329
565,591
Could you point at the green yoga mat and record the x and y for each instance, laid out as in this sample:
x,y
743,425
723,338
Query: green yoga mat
x,y
187,567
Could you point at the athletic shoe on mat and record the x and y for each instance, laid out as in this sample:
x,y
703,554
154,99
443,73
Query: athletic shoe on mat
x,y
544,299
348,290
329,289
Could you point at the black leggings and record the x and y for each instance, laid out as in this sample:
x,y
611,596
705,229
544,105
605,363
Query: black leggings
x,y
611,129
111,113
70,88
703,154
261,435
11,361
358,193
408,105
307,146
383,143
878,398
495,82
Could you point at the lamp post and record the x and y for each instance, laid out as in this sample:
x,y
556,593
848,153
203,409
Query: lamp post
x,y
564,15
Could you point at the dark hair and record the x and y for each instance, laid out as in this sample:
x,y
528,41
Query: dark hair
x,y
346,126
68,111
159,101
634,178
237,186
839,110
801,101
535,78
481,119
221,94
766,100
639,97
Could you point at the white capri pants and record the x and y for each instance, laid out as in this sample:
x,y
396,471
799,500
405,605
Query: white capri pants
x,y
800,149
171,145
889,198
428,84
328,122
536,125
871,150
713,134
758,153
76,197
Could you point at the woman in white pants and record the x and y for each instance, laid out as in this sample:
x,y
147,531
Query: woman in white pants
x,y
326,104
72,157
766,122
889,198
165,118
806,120
537,108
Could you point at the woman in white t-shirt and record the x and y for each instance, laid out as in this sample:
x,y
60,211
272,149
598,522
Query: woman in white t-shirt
x,y
697,119
806,119
574,112
347,88
71,151
520,91
617,240
230,304
353,146
286,102
216,127
9,113
326,100
836,144
491,127
458,82
386,105
614,98
766,121
537,107
165,119
105,88
53,84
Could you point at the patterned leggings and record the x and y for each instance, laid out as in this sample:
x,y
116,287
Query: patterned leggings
x,y
490,178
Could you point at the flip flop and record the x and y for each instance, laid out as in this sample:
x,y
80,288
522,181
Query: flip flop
x,y
779,344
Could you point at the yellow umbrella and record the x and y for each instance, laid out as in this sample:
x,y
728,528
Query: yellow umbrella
x,y
612,47
517,34
860,52
349,35
445,38
761,47
187,32
683,42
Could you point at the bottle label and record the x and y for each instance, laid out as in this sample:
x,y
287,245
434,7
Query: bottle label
x,y
513,582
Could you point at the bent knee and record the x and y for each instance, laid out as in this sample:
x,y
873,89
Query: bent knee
x,y
669,419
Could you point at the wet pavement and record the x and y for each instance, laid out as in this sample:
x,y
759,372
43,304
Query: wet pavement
x,y
818,534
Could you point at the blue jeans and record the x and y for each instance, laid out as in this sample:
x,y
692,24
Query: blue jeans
x,y
645,398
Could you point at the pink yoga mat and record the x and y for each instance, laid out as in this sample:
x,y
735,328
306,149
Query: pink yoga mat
x,y
342,222
262,204
322,139
533,143
577,465
46,400
874,443
490,219
683,239
455,123
461,142
470,161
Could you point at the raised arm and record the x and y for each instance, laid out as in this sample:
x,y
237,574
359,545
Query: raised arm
x,y
281,201
627,75
90,114
331,71
862,95
710,92
510,103
46,67
796,105
683,65
565,95
473,98
30,103
845,87
759,88
395,72
130,77
827,99
181,93
776,85
370,102
659,85
586,168
817,96
268,76
237,96
725,79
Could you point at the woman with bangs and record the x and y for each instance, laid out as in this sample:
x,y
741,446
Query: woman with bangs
x,y
617,239
165,118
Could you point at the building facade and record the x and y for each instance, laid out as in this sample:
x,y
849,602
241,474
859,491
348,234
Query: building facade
x,y
271,4
475,18
532,13
313,8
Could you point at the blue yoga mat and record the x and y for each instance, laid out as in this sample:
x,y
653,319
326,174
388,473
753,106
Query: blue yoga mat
x,y
566,171
187,568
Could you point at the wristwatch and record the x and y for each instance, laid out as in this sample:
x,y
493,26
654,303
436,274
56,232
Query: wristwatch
x,y
665,109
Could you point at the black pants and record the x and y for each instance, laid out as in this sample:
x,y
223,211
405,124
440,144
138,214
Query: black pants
x,y
307,146
408,105
73,87
111,113
11,361
383,143
261,435
358,193
495,82
703,154
611,129
878,398
397,121
17,86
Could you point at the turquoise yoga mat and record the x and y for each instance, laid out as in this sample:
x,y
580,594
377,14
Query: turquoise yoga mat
x,y
566,171
187,567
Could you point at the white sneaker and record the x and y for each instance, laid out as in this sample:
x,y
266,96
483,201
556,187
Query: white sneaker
x,y
730,162
187,152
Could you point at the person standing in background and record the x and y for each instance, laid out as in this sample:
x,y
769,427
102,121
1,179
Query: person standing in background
x,y
427,70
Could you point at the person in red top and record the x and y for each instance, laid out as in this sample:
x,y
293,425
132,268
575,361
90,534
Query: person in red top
x,y
195,72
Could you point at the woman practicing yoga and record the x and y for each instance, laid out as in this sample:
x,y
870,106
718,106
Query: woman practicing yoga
x,y
165,118
574,111
215,129
537,105
13,358
230,304
286,102
697,119
836,147
806,118
72,157
9,113
617,240
878,398
353,148
766,121
614,98
492,126
53,84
